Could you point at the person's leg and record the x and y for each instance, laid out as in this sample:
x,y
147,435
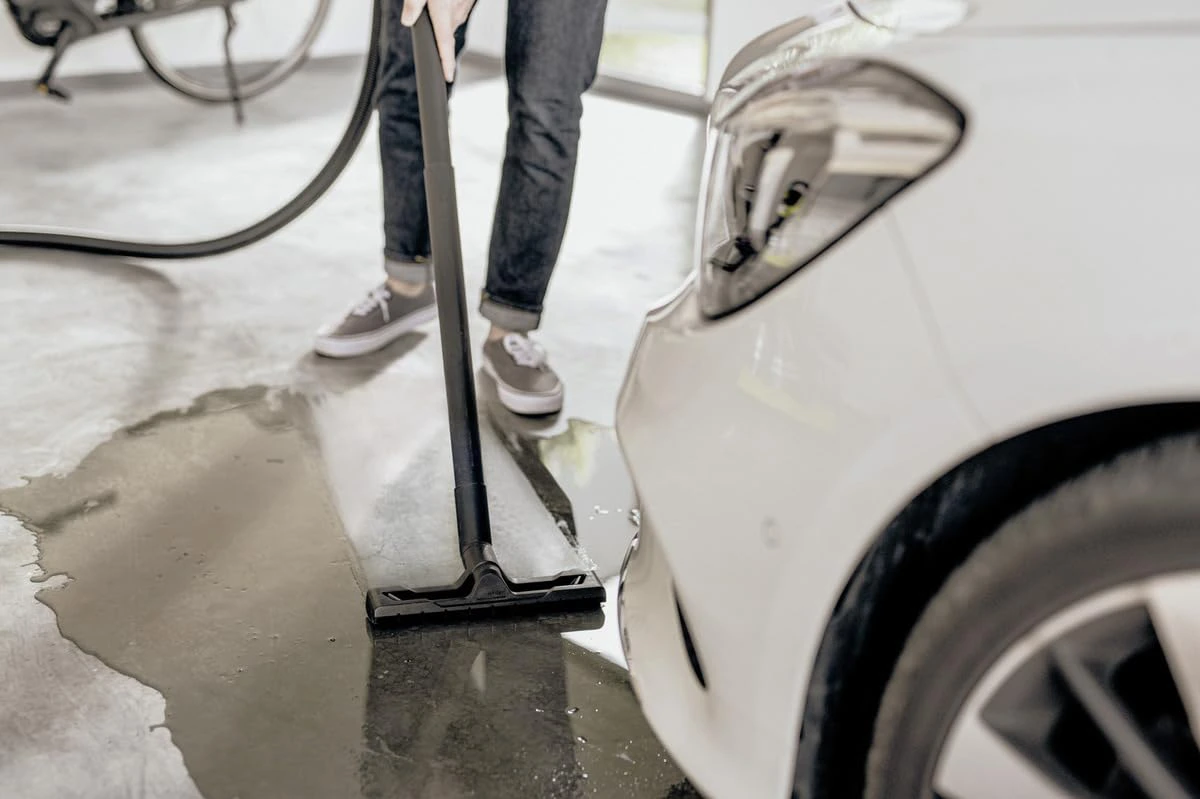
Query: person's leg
x,y
552,51
405,216
405,300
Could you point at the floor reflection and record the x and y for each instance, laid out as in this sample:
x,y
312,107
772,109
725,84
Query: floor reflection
x,y
508,709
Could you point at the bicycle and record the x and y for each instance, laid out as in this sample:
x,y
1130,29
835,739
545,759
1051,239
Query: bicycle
x,y
58,24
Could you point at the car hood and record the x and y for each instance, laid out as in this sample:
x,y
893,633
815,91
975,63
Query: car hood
x,y
861,27
1025,16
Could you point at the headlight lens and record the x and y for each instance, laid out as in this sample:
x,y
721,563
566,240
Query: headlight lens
x,y
797,161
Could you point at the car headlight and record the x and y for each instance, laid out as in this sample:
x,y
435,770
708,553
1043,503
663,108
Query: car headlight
x,y
797,160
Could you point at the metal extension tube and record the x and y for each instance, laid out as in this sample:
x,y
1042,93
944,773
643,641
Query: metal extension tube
x,y
483,587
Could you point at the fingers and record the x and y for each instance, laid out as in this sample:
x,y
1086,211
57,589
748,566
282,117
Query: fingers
x,y
412,10
445,23
443,31
443,16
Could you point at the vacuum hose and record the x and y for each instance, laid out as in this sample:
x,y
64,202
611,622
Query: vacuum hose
x,y
359,120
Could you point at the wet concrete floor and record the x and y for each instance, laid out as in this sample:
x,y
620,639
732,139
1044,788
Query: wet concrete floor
x,y
213,551
204,556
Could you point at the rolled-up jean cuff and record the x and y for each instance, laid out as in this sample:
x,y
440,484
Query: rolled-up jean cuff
x,y
509,317
410,270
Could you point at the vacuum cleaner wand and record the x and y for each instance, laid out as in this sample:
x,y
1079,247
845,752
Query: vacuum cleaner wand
x,y
483,587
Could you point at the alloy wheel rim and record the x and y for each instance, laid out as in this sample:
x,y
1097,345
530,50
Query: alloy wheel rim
x,y
1100,701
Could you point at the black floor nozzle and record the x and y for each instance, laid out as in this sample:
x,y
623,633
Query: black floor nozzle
x,y
484,588
486,591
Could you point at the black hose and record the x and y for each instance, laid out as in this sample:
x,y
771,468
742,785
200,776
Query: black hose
x,y
359,121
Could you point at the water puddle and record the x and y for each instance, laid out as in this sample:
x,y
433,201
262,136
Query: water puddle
x,y
205,556
576,468
206,561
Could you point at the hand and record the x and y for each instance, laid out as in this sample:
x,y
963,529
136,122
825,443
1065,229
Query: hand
x,y
447,17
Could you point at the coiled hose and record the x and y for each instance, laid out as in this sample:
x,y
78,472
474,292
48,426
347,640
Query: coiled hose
x,y
316,188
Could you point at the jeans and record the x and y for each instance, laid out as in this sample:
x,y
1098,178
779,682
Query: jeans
x,y
551,53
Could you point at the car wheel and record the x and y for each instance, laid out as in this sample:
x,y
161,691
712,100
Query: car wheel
x,y
1062,659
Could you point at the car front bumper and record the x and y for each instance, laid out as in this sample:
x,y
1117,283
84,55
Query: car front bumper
x,y
768,449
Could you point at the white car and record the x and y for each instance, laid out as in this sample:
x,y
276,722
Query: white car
x,y
916,443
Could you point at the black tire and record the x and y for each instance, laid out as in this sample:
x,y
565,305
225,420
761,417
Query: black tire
x,y
1135,518
262,80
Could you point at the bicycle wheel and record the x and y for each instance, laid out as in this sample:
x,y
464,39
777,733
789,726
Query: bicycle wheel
x,y
270,42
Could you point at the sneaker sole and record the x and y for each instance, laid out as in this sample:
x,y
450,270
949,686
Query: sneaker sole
x,y
524,403
366,343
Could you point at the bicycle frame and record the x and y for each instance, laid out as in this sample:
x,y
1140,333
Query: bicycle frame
x,y
58,24
84,22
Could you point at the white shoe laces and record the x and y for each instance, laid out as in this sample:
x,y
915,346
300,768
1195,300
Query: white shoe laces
x,y
524,351
378,298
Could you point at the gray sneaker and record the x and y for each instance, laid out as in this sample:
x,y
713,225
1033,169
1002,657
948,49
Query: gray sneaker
x,y
376,322
524,381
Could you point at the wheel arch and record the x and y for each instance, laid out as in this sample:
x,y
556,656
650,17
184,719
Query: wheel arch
x,y
911,557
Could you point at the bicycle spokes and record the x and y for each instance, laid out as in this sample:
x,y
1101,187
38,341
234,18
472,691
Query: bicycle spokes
x,y
231,73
